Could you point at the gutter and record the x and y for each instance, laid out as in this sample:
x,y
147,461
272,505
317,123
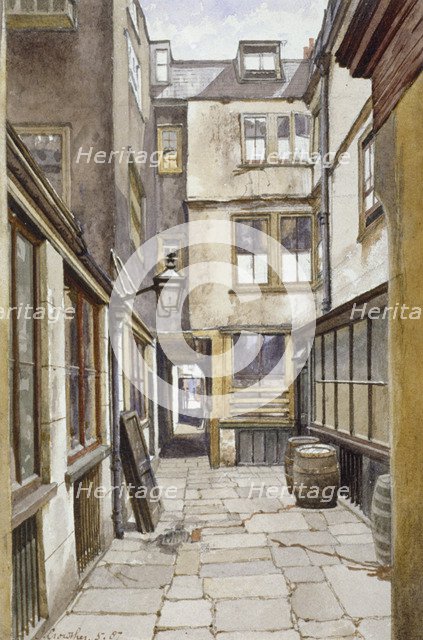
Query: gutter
x,y
324,214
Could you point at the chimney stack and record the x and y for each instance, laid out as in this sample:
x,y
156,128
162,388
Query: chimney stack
x,y
308,51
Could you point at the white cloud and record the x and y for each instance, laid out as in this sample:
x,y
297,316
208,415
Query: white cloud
x,y
212,29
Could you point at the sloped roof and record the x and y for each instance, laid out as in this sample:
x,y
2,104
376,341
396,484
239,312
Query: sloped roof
x,y
214,80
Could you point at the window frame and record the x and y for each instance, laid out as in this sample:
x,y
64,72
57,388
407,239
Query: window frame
x,y
134,80
21,489
62,130
235,249
272,140
352,381
136,395
259,49
311,251
274,231
368,217
157,65
254,116
173,128
236,379
72,282
133,12
137,204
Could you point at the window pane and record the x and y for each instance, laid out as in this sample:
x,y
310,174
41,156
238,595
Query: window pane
x,y
162,74
255,138
329,346
343,353
318,358
289,267
47,151
27,420
319,402
289,234
90,408
380,409
302,125
302,136
284,141
268,62
161,56
245,269
380,349
88,334
72,407
360,368
284,127
361,410
252,62
261,270
271,355
247,241
330,404
344,407
25,299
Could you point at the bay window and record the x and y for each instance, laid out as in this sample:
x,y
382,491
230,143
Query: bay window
x,y
273,139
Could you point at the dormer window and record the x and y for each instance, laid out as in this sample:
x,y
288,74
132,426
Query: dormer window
x,y
260,61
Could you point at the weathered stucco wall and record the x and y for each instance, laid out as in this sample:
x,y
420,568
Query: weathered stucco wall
x,y
214,174
211,305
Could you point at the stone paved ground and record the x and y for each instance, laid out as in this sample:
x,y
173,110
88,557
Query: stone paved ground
x,y
240,576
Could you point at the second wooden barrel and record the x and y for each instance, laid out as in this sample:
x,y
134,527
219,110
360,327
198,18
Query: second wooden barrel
x,y
316,476
381,519
294,443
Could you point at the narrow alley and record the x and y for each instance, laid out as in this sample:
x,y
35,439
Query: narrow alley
x,y
234,559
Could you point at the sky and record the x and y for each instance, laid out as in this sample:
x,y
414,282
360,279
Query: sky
x,y
211,29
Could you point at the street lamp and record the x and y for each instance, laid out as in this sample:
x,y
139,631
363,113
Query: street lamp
x,y
168,286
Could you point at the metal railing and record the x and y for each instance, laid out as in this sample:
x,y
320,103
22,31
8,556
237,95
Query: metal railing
x,y
351,464
26,583
87,519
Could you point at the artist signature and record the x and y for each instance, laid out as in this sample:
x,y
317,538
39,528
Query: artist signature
x,y
79,635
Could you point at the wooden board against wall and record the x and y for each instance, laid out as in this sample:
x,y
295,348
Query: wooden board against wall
x,y
139,474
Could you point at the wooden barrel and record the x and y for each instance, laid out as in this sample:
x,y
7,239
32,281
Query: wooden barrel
x,y
316,476
381,519
294,443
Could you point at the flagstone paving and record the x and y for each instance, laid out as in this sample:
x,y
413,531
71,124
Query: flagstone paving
x,y
254,568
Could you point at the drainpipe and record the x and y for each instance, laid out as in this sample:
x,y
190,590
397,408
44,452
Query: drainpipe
x,y
324,214
116,454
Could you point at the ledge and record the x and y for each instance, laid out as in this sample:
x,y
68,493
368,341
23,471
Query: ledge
x,y
29,506
255,423
79,468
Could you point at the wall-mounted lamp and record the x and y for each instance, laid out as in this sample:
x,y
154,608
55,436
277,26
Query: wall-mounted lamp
x,y
168,286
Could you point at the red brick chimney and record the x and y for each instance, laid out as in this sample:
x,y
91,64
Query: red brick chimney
x,y
308,51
